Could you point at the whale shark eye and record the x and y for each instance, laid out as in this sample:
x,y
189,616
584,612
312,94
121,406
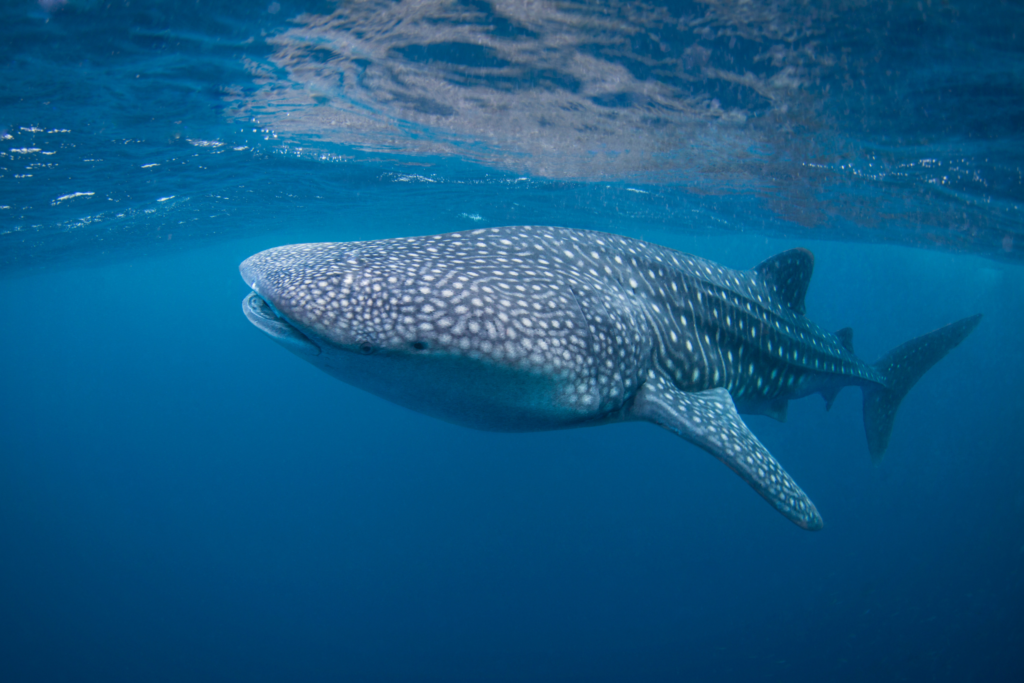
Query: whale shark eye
x,y
421,345
366,347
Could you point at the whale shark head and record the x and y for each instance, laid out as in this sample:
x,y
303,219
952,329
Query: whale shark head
x,y
480,341
325,292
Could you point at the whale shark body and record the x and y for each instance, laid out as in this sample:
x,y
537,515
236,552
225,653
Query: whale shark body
x,y
531,328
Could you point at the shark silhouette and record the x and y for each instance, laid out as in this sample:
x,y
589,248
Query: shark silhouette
x,y
531,328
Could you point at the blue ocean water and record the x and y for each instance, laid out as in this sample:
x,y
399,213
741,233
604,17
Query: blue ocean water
x,y
180,498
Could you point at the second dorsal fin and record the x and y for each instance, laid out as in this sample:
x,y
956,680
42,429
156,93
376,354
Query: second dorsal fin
x,y
846,338
787,275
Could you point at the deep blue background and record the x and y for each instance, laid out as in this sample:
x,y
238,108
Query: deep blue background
x,y
182,498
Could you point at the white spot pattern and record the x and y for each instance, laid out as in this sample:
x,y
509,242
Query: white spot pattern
x,y
599,314
588,296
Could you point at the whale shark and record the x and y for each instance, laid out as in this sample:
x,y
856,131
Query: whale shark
x,y
530,328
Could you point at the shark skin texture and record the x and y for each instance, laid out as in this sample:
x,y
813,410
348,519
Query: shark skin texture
x,y
529,328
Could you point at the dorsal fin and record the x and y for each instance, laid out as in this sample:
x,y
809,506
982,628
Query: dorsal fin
x,y
846,338
787,275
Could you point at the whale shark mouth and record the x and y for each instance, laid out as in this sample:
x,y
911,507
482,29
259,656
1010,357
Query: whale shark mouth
x,y
260,307
264,316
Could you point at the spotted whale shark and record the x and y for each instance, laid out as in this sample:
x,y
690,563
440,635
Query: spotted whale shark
x,y
532,328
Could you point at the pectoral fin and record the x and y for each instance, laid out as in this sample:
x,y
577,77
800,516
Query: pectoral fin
x,y
709,419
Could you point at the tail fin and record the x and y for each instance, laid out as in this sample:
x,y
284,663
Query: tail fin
x,y
902,367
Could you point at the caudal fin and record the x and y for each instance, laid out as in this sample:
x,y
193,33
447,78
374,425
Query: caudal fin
x,y
902,367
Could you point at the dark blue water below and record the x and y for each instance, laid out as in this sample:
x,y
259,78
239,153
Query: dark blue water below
x,y
182,499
